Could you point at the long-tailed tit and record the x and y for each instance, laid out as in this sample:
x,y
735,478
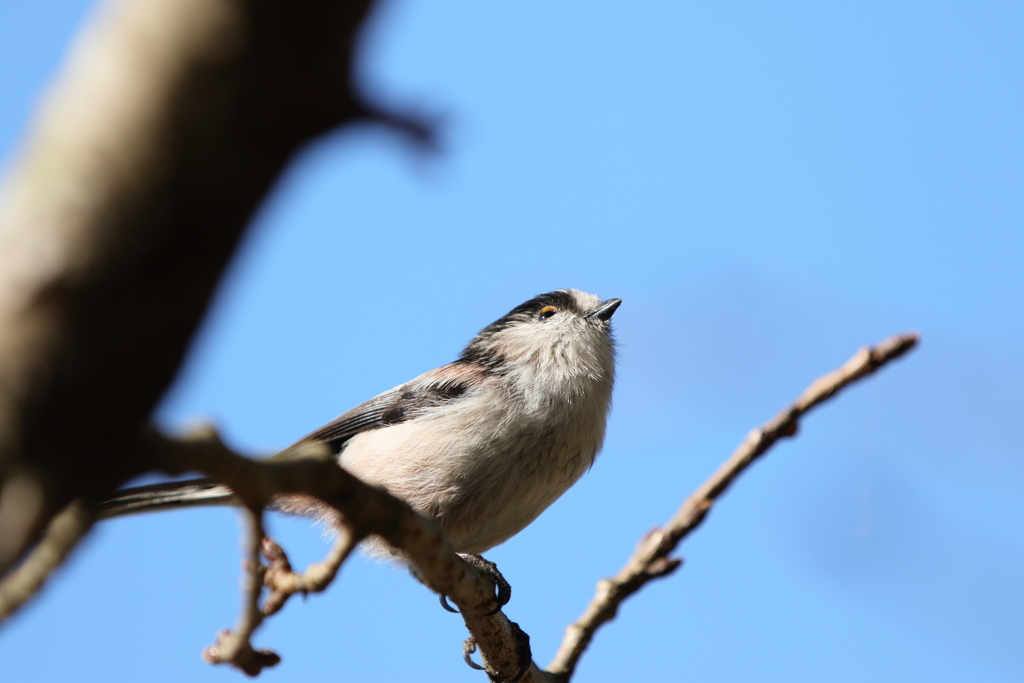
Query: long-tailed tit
x,y
482,445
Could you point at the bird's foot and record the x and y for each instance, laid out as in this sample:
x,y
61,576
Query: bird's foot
x,y
502,589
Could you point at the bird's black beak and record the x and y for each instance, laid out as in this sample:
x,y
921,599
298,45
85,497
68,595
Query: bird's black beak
x,y
605,310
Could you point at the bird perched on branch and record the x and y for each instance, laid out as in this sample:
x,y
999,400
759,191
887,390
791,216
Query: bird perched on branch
x,y
482,445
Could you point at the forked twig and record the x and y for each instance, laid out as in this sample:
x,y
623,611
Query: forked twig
x,y
283,582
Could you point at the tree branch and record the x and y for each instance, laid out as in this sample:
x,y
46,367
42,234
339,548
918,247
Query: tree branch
x,y
365,510
650,560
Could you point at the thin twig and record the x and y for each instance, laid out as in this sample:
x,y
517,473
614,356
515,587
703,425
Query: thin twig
x,y
235,647
650,560
284,583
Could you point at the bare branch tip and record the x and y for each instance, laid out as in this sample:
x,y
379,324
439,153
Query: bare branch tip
x,y
902,343
233,650
663,566
419,130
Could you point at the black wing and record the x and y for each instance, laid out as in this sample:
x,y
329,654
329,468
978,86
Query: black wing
x,y
365,416
434,389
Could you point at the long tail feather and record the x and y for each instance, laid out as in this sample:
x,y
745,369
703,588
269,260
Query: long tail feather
x,y
167,497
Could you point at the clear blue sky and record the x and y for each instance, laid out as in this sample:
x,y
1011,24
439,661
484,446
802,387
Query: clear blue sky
x,y
768,186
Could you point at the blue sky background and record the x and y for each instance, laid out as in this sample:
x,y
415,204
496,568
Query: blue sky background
x,y
768,186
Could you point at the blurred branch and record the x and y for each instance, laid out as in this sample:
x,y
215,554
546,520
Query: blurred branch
x,y
167,125
650,560
63,534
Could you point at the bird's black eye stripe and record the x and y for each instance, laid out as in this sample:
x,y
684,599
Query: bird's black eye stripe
x,y
546,312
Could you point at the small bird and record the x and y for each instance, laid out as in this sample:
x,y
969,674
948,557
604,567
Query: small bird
x,y
482,445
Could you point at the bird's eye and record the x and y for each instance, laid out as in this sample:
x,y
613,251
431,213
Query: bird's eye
x,y
546,312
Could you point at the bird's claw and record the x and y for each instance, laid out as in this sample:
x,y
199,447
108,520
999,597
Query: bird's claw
x,y
468,648
502,589
523,646
444,603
